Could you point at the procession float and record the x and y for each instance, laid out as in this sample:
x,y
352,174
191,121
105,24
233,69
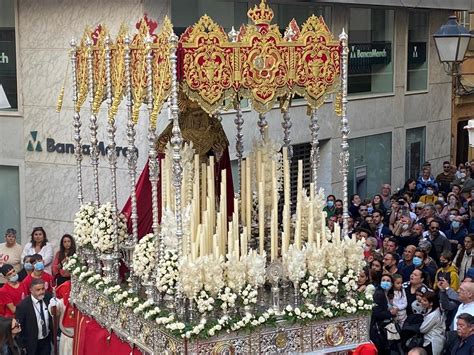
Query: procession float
x,y
255,271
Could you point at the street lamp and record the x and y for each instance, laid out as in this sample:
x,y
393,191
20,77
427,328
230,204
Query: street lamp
x,y
451,42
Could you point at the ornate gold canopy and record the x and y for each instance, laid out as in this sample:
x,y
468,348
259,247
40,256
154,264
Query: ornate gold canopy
x,y
258,62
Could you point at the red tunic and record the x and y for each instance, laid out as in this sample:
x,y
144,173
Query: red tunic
x,y
62,292
47,278
9,294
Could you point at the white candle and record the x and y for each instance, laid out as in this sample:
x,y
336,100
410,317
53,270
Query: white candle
x,y
261,216
248,200
243,193
203,187
318,240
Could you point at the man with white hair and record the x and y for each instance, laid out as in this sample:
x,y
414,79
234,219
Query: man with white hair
x,y
466,296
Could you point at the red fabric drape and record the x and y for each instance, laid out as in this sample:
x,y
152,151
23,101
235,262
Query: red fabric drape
x,y
91,339
143,192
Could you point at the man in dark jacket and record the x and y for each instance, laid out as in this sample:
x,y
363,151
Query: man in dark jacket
x,y
464,344
36,323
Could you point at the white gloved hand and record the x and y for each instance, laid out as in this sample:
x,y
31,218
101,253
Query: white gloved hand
x,y
53,302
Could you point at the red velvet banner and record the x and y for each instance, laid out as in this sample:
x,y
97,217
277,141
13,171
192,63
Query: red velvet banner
x,y
91,339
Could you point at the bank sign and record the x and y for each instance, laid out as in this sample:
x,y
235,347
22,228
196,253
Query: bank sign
x,y
362,56
51,146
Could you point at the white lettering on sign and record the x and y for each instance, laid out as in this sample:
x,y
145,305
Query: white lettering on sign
x,y
3,58
374,53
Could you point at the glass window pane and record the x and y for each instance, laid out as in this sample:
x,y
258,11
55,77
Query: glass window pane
x,y
227,13
370,164
415,152
418,34
284,13
371,54
9,200
8,84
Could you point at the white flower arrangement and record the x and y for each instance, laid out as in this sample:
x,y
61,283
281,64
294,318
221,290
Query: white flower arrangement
x,y
204,302
168,273
248,295
213,272
235,273
168,227
228,298
255,266
103,230
84,224
144,257
294,262
191,279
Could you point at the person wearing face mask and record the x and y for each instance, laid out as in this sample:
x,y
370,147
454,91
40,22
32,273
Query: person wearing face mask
x,y
27,268
433,326
39,273
330,207
447,271
463,259
430,196
12,291
456,233
383,312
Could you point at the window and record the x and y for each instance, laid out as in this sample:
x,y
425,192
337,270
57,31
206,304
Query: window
x,y
8,84
417,58
185,13
370,162
284,13
371,51
9,196
414,152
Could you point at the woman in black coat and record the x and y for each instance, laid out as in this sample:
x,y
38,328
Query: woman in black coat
x,y
382,313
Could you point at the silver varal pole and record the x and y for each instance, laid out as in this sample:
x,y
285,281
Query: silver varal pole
x,y
93,124
239,144
286,125
176,142
76,123
262,125
112,268
131,148
153,163
344,155
315,158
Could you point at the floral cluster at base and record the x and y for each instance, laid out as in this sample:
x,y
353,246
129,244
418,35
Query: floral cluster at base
x,y
168,273
103,239
144,257
84,224
323,298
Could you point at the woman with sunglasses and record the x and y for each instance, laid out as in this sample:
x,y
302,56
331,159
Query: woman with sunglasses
x,y
9,329
39,245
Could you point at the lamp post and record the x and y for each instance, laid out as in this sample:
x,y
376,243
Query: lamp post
x,y
451,42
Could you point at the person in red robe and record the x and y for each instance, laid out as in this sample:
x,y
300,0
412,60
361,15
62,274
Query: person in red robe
x,y
66,315
12,291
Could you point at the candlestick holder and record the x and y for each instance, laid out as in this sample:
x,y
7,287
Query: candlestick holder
x,y
110,266
296,295
274,274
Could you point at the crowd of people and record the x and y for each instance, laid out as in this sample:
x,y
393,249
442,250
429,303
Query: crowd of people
x,y
419,261
34,290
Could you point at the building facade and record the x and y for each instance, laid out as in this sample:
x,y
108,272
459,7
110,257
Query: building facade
x,y
399,107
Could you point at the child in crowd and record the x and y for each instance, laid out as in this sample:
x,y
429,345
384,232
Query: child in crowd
x,y
399,299
38,272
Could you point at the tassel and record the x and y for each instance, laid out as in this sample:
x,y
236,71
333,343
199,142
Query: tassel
x,y
59,103
338,104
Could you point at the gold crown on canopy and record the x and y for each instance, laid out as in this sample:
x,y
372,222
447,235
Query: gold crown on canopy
x,y
261,14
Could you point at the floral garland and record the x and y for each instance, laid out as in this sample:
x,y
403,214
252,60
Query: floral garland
x,y
144,257
336,303
84,224
103,230
168,273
